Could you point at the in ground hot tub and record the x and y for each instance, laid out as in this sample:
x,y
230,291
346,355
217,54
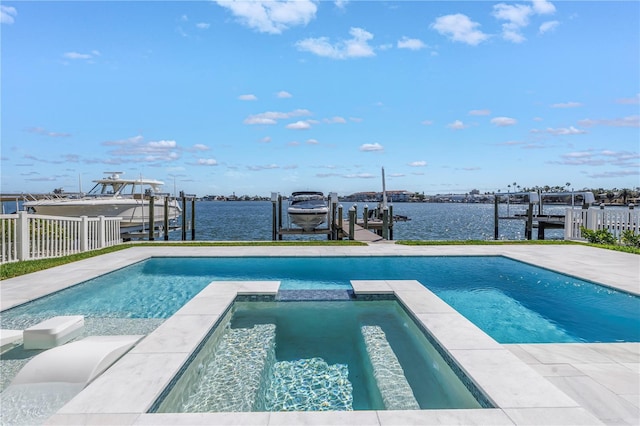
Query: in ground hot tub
x,y
317,356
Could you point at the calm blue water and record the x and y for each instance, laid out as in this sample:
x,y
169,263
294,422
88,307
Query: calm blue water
x,y
511,301
251,221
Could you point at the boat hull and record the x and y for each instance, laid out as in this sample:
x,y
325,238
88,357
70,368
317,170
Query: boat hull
x,y
134,213
308,219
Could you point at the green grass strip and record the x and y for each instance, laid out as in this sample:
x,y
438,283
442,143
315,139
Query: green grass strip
x,y
624,249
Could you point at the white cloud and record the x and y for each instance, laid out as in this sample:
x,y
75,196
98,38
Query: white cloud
x,y
271,16
76,55
162,144
355,47
153,151
248,97
543,7
629,101
265,167
418,164
266,139
480,112
41,131
631,121
503,121
7,14
299,125
410,43
312,142
341,4
567,105
207,162
545,27
460,28
202,25
338,120
512,33
457,125
562,131
516,14
370,147
271,117
517,17
200,147
254,119
360,176
283,94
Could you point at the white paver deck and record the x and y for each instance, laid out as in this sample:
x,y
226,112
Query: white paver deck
x,y
529,384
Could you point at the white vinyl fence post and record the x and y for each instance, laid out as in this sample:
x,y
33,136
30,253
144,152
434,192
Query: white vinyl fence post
x,y
22,236
101,232
592,219
569,224
84,234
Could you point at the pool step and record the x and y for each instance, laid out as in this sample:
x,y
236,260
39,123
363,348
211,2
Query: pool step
x,y
231,378
307,385
317,295
392,383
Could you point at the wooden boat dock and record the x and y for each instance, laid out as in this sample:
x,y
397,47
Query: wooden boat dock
x,y
362,234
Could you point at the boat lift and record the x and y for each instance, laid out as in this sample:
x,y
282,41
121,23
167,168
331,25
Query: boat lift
x,y
539,220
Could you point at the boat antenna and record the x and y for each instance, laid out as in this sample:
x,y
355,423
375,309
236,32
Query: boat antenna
x,y
384,191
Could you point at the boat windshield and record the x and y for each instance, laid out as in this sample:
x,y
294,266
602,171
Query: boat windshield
x,y
114,188
307,196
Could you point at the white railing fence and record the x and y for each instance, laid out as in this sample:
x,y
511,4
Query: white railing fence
x,y
615,220
27,236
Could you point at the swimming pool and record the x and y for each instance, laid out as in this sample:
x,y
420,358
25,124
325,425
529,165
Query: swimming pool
x,y
511,301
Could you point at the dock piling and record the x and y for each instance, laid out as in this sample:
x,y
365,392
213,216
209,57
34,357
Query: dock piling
x,y
274,213
496,233
365,216
385,222
166,217
152,217
352,222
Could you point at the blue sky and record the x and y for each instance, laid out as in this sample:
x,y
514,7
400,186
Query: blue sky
x,y
252,97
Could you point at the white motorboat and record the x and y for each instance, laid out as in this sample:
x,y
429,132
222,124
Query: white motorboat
x,y
308,209
113,196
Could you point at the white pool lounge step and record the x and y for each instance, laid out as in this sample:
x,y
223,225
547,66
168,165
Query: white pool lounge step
x,y
230,379
392,383
9,339
53,377
53,332
76,362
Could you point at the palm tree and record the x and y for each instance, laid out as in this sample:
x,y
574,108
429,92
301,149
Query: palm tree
x,y
610,195
624,194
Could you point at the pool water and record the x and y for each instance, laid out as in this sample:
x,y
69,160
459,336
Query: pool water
x,y
511,301
316,356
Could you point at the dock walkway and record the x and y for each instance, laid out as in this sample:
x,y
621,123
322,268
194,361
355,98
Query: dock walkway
x,y
361,234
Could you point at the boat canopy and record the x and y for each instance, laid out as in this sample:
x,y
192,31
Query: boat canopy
x,y
535,197
115,185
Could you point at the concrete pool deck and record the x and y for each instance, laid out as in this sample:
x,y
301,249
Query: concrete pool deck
x,y
529,383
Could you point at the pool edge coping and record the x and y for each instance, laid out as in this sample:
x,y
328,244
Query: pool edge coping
x,y
149,356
